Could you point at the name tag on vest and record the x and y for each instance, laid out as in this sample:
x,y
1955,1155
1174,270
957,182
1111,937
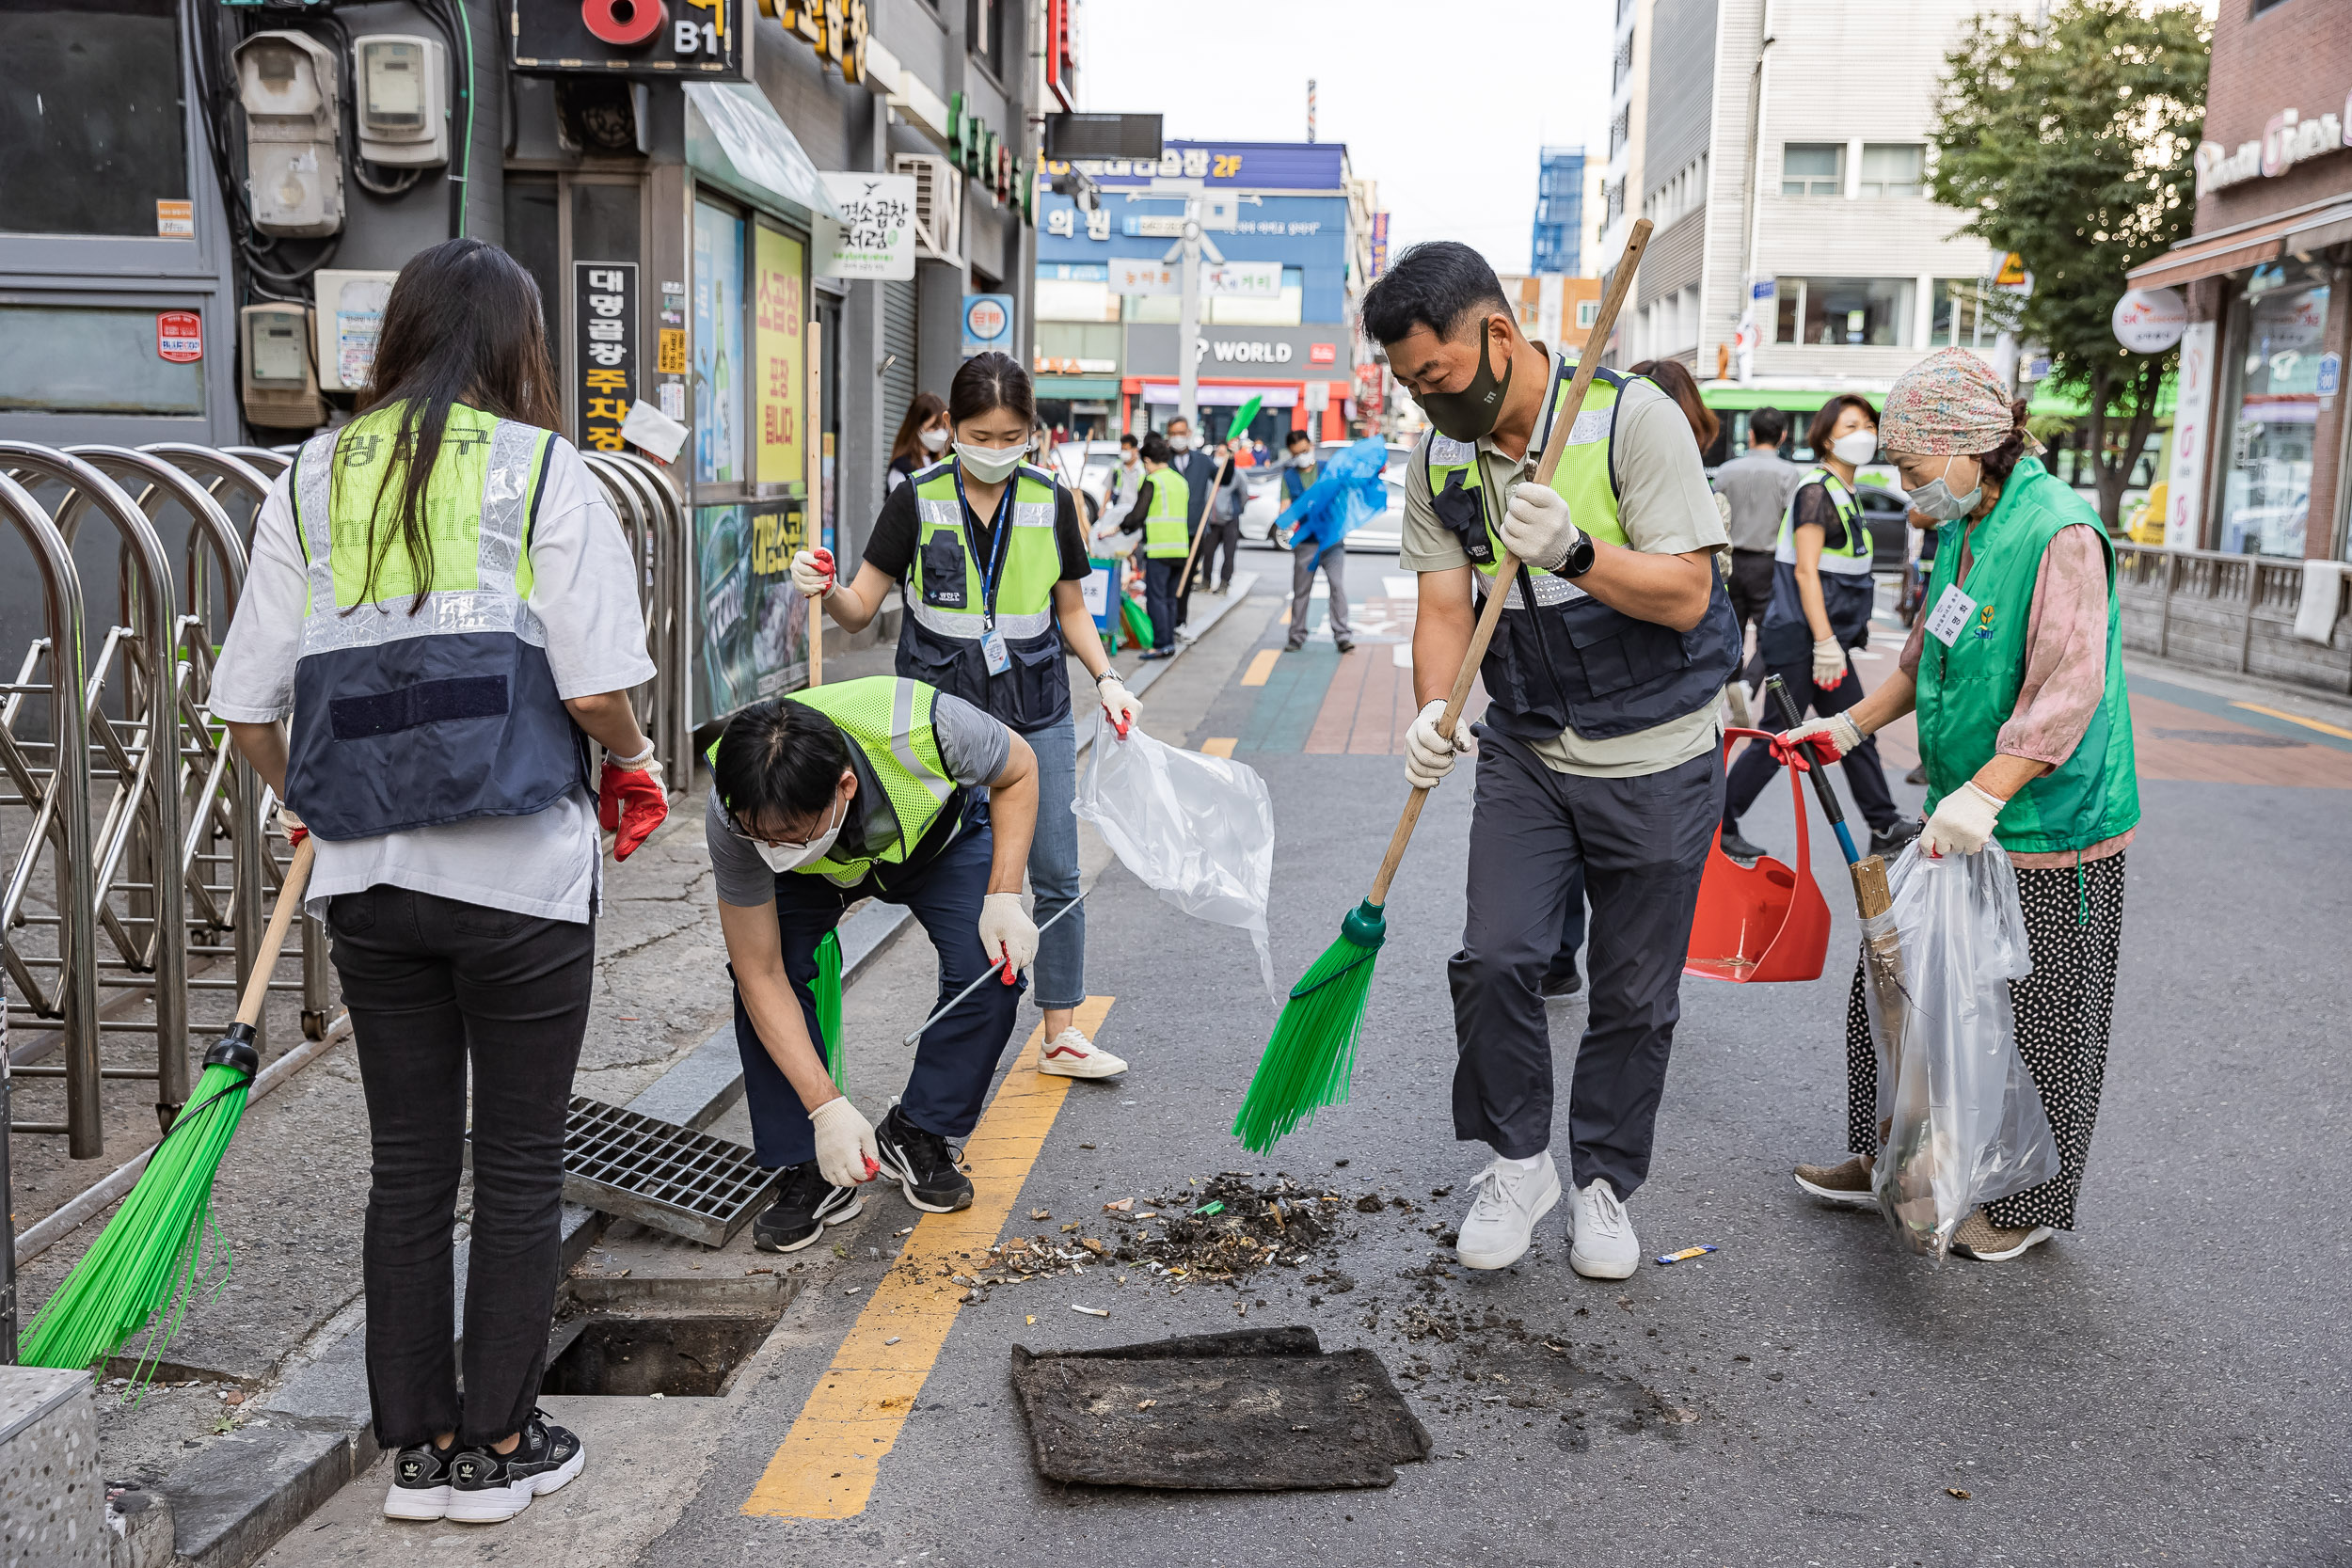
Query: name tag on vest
x,y
1949,617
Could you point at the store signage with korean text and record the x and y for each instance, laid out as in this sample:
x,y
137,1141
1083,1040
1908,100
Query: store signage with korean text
x,y
754,636
707,39
975,147
780,355
1244,279
838,30
874,237
2287,139
986,323
180,337
1379,243
1049,364
604,348
2185,516
2149,320
1133,275
1253,165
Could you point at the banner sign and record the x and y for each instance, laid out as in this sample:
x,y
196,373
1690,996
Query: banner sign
x,y
1248,166
1134,276
987,325
709,40
754,624
1244,279
779,357
874,237
604,348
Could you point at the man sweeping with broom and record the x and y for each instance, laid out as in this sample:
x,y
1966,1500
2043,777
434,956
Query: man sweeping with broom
x,y
1600,751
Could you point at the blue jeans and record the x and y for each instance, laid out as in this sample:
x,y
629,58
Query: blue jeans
x,y
1059,975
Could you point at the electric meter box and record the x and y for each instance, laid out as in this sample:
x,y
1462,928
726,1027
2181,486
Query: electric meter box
x,y
350,318
280,391
402,96
288,85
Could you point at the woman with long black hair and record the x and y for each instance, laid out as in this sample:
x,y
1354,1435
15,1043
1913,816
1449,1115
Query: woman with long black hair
x,y
923,434
444,606
986,552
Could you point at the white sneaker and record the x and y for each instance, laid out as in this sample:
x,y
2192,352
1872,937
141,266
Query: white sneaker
x,y
1605,1247
1504,1209
1071,1055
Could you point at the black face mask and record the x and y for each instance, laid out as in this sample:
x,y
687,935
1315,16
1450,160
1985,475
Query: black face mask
x,y
1470,413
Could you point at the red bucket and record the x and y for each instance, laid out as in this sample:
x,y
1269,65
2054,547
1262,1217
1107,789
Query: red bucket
x,y
1764,922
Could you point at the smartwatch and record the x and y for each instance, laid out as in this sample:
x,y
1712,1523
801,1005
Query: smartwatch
x,y
1580,557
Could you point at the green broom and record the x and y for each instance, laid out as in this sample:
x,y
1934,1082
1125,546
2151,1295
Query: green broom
x,y
1312,1053
829,1007
145,1263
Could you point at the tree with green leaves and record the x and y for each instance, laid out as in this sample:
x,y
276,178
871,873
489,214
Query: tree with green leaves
x,y
2069,141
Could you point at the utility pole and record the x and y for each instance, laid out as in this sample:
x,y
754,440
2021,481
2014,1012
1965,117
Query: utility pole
x,y
1311,109
1189,250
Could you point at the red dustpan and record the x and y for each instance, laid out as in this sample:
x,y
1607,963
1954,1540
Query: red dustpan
x,y
1764,922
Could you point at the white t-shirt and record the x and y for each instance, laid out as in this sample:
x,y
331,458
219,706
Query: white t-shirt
x,y
584,593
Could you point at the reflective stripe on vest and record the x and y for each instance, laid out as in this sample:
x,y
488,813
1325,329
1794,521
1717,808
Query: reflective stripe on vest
x,y
1852,558
1164,531
1025,587
409,719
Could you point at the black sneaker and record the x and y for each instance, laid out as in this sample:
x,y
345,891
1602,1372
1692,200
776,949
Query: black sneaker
x,y
1348,647
1739,848
419,1482
1891,842
1562,980
922,1164
486,1487
805,1204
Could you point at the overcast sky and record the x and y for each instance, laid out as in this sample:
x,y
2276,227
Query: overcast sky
x,y
1445,104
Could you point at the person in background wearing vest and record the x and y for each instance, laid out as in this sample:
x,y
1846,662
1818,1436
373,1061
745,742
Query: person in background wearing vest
x,y
444,606
1598,749
2015,670
1203,498
922,437
1822,596
1309,551
1758,483
1158,514
1126,477
990,560
871,788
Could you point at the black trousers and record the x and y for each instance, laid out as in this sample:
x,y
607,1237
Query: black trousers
x,y
1751,589
436,986
1754,766
1225,537
1640,844
1164,597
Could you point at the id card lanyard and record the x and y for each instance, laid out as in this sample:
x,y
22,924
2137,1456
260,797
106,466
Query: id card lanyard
x,y
993,649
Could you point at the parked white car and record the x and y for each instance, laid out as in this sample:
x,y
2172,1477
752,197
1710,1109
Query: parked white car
x,y
1264,488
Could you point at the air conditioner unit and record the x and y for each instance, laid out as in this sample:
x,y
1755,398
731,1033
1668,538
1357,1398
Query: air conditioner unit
x,y
938,205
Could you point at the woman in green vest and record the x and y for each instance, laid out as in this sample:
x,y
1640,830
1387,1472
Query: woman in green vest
x,y
2015,671
987,556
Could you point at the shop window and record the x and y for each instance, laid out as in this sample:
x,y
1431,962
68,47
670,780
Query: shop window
x,y
70,359
1894,169
984,32
1813,168
1858,313
2277,333
1960,318
91,114
718,363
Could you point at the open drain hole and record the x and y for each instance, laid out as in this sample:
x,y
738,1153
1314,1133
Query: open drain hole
x,y
685,1356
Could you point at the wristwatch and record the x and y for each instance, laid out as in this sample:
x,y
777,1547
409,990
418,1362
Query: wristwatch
x,y
1580,557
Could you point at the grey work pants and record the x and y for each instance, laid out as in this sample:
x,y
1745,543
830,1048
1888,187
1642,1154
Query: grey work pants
x,y
1304,563
1640,844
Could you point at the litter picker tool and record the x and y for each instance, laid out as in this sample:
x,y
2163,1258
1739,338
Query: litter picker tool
x,y
1006,972
1240,422
146,1262
1311,1053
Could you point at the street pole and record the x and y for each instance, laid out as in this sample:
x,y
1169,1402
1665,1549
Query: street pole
x,y
1189,323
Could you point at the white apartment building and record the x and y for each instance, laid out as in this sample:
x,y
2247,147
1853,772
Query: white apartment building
x,y
1782,151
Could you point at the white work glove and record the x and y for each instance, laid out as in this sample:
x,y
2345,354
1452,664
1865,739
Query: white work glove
x,y
1961,823
1119,704
845,1143
1535,527
1007,933
1429,755
1836,730
1829,663
812,573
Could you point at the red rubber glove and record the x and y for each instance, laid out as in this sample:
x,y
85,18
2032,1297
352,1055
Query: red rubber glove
x,y
630,804
290,825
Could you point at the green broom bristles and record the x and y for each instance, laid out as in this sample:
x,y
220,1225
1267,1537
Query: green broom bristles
x,y
145,1260
829,1007
1312,1053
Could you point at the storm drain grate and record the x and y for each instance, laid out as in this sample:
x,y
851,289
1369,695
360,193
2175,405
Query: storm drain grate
x,y
657,1173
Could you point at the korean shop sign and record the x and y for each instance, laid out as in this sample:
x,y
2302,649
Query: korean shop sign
x,y
974,148
874,237
835,29
604,348
2287,140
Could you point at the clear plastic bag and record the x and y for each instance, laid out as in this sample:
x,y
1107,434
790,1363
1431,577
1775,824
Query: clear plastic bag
x,y
1960,1120
1197,828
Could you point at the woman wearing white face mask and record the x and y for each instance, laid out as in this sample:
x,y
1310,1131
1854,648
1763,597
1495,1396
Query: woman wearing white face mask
x,y
867,788
923,434
1820,606
2015,670
987,555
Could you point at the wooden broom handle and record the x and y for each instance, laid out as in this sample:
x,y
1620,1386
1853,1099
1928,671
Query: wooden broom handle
x,y
1508,571
281,919
812,428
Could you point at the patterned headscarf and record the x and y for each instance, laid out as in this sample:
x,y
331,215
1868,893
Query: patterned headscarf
x,y
1950,402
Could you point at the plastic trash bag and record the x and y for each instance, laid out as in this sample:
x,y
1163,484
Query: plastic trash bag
x,y
1197,828
1960,1120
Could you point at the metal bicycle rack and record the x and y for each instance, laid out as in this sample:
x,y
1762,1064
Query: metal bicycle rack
x,y
654,519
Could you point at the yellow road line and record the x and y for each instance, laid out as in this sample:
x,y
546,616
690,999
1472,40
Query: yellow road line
x,y
831,1457
2337,729
1220,747
1283,618
1261,665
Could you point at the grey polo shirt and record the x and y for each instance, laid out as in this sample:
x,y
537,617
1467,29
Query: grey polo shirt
x,y
1665,508
1758,486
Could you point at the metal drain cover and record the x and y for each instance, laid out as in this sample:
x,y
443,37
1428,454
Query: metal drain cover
x,y
657,1173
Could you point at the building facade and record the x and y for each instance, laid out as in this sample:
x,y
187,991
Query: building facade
x,y
1296,227
1559,241
2259,450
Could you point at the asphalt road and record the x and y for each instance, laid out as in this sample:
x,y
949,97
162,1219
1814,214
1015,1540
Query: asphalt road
x,y
2167,1385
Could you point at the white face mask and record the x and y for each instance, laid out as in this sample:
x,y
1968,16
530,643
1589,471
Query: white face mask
x,y
1935,499
934,439
792,857
1180,443
1856,449
989,465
